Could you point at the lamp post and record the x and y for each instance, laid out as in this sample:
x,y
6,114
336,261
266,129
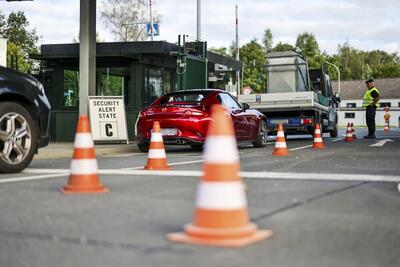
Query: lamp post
x,y
338,71
198,35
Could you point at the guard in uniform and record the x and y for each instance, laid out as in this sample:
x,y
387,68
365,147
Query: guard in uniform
x,y
370,103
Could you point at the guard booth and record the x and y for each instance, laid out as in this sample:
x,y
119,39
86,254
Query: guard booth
x,y
139,71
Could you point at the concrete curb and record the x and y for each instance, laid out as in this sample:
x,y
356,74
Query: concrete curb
x,y
64,150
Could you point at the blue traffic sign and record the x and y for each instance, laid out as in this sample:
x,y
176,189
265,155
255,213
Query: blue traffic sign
x,y
155,29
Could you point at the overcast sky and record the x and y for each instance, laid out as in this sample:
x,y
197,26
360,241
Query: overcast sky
x,y
367,24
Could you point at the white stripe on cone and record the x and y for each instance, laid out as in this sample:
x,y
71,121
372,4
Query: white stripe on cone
x,y
280,134
83,166
157,154
214,154
83,140
280,144
156,137
318,140
317,131
220,196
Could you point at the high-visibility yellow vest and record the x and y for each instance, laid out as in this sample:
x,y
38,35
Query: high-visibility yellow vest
x,y
368,99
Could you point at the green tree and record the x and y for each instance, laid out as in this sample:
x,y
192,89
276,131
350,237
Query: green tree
x,y
280,47
220,50
309,48
253,56
267,40
21,40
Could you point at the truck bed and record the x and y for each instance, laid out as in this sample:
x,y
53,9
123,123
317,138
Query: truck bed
x,y
285,101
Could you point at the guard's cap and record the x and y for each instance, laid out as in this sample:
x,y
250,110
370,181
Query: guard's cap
x,y
369,81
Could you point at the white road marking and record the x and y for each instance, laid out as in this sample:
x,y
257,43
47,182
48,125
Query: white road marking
x,y
382,142
252,175
337,139
122,155
298,148
36,177
169,164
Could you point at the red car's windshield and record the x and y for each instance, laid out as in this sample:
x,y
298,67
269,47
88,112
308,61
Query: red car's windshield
x,y
191,98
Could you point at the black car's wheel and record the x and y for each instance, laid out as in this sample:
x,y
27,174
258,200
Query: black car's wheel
x,y
262,135
143,147
18,137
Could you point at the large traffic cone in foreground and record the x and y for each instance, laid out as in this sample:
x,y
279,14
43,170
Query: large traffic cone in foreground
x,y
221,217
83,178
349,134
157,159
318,142
280,143
353,131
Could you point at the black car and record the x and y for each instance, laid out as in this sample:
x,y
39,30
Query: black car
x,y
24,119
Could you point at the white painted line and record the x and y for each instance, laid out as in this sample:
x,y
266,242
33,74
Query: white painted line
x,y
302,147
254,175
122,155
33,171
337,139
169,164
185,162
31,178
382,142
268,175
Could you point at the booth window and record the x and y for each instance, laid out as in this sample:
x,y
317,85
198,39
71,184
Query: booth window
x,y
156,83
71,88
349,115
350,105
112,81
385,104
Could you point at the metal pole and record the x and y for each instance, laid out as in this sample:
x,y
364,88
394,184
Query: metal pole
x,y
87,53
198,37
237,52
338,71
151,21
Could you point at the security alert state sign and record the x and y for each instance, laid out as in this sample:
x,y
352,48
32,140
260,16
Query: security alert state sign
x,y
107,118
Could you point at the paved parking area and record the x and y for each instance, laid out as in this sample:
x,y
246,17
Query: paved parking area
x,y
327,208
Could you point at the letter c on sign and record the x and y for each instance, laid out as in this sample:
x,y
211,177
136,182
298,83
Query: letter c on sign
x,y
109,133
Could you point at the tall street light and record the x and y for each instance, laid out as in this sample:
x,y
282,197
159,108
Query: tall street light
x,y
338,71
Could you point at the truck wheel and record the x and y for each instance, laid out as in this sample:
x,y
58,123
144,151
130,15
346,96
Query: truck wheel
x,y
18,137
262,135
334,132
143,147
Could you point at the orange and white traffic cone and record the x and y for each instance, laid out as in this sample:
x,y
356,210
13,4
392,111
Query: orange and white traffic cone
x,y
280,143
353,131
386,128
221,217
349,134
157,159
318,142
84,177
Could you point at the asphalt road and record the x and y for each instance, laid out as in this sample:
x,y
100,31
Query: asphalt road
x,y
326,208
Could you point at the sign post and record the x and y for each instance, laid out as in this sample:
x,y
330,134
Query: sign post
x,y
107,119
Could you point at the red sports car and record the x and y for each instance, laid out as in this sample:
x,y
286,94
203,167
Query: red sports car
x,y
184,118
